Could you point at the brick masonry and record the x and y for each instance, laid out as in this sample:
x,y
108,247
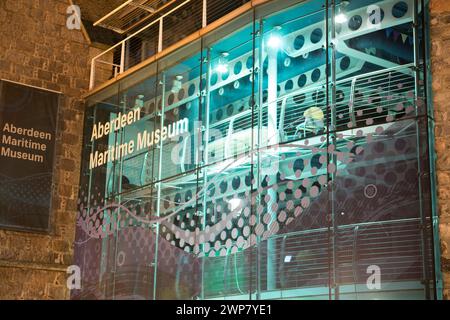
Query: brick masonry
x,y
440,62
36,48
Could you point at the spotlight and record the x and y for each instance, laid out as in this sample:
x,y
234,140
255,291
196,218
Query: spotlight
x,y
275,41
340,18
222,66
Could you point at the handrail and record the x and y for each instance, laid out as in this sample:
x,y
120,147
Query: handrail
x,y
344,227
162,44
142,29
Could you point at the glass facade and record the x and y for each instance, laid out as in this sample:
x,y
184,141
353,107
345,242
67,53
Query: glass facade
x,y
285,155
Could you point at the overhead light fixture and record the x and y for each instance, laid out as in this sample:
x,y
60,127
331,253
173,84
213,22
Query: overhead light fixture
x,y
341,16
222,65
275,41
222,68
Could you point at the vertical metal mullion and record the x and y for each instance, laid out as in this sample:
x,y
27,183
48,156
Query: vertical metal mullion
x,y
329,183
252,151
206,161
434,225
258,146
435,252
334,141
119,197
153,179
330,66
418,153
159,185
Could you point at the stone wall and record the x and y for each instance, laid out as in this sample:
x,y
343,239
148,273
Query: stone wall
x,y
440,61
37,48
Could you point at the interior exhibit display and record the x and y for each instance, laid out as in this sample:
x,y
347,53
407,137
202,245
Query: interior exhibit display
x,y
283,155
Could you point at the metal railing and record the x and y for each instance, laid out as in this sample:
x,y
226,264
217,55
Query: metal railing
x,y
169,28
302,260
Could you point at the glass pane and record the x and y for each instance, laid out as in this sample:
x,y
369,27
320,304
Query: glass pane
x,y
293,201
380,217
227,240
177,233
139,167
181,84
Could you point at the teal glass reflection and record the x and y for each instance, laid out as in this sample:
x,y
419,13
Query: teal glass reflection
x,y
300,170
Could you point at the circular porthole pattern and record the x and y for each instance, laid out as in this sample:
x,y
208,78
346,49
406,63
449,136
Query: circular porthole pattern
x,y
214,79
315,161
191,89
249,63
289,85
236,183
315,76
225,75
345,63
237,68
219,115
400,9
376,17
171,99
302,81
223,186
230,110
316,35
181,94
379,147
355,22
299,165
299,42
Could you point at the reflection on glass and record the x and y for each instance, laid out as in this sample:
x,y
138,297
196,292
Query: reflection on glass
x,y
280,157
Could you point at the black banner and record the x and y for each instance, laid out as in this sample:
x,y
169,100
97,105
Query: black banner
x,y
28,120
